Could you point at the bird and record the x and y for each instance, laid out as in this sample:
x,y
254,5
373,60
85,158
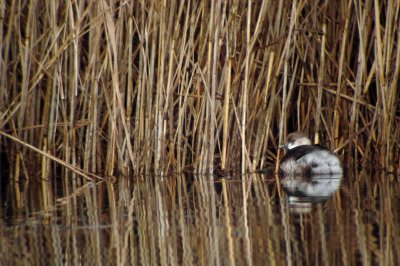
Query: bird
x,y
305,159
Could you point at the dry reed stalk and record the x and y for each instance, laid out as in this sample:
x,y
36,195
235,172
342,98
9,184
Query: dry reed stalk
x,y
150,135
185,49
393,103
2,68
391,87
267,110
336,116
69,166
381,84
139,88
111,30
285,96
159,94
167,111
321,75
230,50
245,91
24,43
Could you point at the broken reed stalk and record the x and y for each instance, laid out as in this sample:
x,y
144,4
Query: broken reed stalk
x,y
164,86
61,162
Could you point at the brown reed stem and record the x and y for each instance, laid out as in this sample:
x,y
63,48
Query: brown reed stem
x,y
67,165
321,75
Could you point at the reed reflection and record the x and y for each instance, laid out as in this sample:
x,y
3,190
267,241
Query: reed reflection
x,y
190,220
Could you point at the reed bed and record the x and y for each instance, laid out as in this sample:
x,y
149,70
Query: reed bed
x,y
122,87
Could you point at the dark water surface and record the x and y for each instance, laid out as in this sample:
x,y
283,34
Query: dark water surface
x,y
189,220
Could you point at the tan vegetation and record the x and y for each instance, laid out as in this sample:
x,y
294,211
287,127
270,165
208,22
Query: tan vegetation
x,y
164,86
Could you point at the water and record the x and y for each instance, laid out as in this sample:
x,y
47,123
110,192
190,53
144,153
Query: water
x,y
188,220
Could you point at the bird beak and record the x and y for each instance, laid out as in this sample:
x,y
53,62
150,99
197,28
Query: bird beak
x,y
284,146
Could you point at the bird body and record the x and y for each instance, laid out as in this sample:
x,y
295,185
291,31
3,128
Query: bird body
x,y
303,158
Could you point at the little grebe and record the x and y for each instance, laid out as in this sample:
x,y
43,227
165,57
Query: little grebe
x,y
303,158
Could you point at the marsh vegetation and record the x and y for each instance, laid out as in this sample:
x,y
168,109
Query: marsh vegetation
x,y
132,87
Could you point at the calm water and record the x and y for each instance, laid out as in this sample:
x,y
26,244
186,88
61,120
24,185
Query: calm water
x,y
188,220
